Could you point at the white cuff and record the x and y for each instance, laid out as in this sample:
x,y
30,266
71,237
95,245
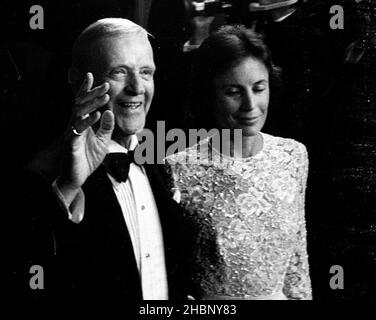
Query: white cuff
x,y
78,205
190,47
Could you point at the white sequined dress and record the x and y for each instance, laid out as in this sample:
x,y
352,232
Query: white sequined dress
x,y
248,219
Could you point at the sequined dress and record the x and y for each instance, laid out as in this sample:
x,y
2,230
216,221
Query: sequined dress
x,y
248,220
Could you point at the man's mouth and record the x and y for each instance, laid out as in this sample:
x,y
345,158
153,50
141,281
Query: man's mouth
x,y
130,105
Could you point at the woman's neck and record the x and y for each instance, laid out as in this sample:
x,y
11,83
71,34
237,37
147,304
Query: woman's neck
x,y
246,146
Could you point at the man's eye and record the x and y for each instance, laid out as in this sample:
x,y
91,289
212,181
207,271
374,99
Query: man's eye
x,y
147,72
118,73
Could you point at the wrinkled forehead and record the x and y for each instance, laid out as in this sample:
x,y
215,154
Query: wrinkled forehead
x,y
120,48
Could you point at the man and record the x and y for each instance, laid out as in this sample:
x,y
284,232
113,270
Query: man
x,y
117,235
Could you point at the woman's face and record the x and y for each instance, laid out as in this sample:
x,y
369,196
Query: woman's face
x,y
241,97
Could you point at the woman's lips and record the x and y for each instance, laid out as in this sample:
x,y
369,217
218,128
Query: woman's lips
x,y
248,120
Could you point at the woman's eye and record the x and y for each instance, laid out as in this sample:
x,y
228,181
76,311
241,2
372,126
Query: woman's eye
x,y
232,92
259,89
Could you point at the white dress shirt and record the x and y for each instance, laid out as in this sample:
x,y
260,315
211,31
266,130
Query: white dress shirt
x,y
141,216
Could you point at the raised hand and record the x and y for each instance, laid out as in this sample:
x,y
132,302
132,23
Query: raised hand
x,y
85,149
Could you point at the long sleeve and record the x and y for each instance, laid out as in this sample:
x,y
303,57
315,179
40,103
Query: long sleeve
x,y
32,212
297,283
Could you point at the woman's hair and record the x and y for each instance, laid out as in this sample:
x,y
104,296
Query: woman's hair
x,y
222,50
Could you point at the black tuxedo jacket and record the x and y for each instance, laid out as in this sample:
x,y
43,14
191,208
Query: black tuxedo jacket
x,y
94,258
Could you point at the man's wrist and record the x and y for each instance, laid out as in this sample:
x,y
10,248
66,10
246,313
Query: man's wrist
x,y
75,208
67,191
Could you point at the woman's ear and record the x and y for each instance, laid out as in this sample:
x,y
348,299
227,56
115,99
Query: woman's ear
x,y
75,78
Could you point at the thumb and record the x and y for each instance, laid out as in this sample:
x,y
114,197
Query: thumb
x,y
107,125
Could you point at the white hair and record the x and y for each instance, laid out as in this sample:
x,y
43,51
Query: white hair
x,y
108,27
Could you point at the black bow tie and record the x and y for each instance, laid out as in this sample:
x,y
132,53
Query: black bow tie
x,y
117,164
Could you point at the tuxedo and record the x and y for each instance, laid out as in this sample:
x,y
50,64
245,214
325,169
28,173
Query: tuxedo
x,y
95,255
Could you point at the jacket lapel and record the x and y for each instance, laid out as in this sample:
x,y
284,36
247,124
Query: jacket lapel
x,y
106,214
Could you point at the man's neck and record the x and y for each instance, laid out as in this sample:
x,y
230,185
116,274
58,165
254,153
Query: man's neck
x,y
124,141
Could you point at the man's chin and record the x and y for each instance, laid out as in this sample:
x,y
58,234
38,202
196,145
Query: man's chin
x,y
124,130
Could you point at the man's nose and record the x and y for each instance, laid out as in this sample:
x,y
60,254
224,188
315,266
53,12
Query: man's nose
x,y
135,85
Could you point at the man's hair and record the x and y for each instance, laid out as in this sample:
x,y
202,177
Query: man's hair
x,y
103,28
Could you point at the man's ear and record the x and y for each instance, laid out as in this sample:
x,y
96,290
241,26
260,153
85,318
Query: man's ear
x,y
75,78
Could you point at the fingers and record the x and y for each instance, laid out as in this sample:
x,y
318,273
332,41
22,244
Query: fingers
x,y
92,105
87,102
82,125
86,84
86,96
107,125
92,100
105,129
93,93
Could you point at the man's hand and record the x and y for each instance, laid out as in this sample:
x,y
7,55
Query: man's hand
x,y
84,149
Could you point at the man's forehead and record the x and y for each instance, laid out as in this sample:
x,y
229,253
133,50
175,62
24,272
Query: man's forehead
x,y
125,43
124,40
135,45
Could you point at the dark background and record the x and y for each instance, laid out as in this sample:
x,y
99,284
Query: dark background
x,y
335,118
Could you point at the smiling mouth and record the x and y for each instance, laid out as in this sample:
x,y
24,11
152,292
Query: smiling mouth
x,y
252,119
130,105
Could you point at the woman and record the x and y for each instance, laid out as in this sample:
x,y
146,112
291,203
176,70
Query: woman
x,y
246,205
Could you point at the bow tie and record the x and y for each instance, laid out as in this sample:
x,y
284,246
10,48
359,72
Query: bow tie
x,y
117,164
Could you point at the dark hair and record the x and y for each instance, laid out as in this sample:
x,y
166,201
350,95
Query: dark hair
x,y
222,50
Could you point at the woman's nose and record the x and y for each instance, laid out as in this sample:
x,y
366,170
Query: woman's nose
x,y
248,101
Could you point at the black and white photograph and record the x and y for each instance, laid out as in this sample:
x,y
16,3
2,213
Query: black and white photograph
x,y
181,157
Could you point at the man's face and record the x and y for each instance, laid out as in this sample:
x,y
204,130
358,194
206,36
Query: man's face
x,y
126,63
